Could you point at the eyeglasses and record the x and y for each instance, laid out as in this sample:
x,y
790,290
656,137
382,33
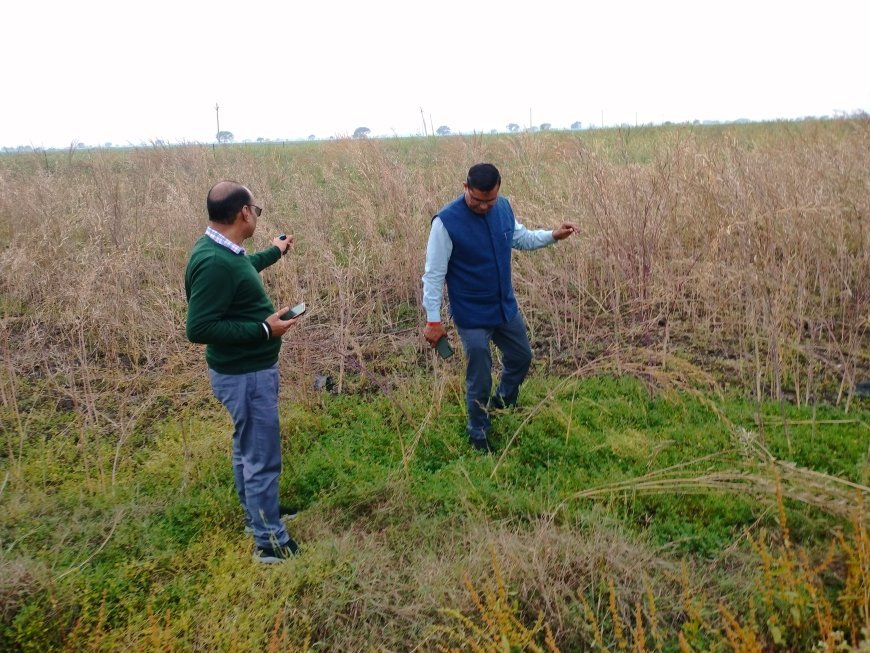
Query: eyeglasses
x,y
477,201
257,210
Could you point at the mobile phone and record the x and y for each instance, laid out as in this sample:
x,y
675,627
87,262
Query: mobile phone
x,y
294,312
443,347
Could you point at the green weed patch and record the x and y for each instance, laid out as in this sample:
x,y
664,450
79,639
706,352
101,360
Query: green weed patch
x,y
390,531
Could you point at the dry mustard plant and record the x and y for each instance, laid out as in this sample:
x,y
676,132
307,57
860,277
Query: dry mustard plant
x,y
497,625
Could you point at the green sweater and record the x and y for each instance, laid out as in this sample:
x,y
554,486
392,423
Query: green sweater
x,y
227,304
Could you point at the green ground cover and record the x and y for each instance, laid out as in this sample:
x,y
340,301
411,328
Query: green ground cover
x,y
393,515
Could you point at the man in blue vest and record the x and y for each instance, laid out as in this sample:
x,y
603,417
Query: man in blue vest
x,y
469,248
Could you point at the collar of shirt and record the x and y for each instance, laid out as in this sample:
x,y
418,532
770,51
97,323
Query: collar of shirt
x,y
220,239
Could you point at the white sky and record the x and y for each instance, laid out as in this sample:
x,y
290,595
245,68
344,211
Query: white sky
x,y
120,72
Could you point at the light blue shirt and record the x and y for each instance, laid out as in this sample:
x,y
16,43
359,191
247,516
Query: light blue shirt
x,y
440,248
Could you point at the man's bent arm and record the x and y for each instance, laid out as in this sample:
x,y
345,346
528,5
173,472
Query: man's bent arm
x,y
264,258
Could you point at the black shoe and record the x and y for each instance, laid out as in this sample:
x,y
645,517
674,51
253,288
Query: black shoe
x,y
480,444
271,555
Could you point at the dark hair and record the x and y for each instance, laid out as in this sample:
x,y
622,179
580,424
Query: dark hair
x,y
483,176
225,199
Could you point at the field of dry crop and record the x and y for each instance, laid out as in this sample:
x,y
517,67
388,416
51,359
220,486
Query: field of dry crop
x,y
744,250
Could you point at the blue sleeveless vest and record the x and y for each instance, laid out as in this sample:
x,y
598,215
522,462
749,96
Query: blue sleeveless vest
x,y
479,284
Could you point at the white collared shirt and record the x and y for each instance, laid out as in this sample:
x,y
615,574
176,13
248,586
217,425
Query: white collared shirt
x,y
220,239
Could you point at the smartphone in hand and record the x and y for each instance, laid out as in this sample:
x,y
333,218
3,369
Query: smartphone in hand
x,y
443,347
294,312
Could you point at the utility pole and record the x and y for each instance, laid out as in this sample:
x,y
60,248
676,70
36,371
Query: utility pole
x,y
218,116
423,116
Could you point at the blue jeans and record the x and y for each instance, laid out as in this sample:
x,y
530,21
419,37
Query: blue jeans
x,y
252,401
516,354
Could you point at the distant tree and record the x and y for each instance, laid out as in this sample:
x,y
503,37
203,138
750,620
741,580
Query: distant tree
x,y
576,125
260,139
443,130
362,132
493,131
545,126
311,137
225,137
513,127
107,145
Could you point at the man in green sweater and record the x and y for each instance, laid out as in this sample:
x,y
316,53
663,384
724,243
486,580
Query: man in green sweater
x,y
230,312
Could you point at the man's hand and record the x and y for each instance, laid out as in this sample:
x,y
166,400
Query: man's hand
x,y
433,333
278,326
284,244
566,229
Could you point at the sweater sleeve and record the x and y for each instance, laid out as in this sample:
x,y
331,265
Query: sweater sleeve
x,y
263,259
211,290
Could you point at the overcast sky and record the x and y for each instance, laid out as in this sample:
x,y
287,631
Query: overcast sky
x,y
96,72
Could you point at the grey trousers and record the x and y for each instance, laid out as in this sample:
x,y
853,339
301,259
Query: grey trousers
x,y
516,354
252,401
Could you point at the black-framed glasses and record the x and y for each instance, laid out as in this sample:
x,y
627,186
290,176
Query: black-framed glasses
x,y
257,210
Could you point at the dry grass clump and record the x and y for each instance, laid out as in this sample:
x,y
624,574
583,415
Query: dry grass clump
x,y
794,605
360,589
755,473
20,578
